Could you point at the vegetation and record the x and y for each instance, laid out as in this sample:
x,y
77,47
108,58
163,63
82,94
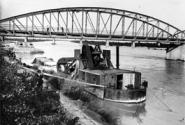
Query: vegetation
x,y
23,102
78,93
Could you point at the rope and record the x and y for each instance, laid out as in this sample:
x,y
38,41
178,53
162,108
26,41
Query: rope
x,y
66,79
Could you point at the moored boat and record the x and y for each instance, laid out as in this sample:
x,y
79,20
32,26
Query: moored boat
x,y
44,64
25,47
94,66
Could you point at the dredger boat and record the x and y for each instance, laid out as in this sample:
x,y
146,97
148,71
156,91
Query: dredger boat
x,y
94,66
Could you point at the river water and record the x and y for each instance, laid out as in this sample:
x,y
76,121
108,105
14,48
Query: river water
x,y
165,104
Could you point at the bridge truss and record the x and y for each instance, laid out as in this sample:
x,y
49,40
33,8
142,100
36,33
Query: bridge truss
x,y
92,23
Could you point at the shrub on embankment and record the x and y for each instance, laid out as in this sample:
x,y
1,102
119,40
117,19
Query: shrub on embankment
x,y
89,101
22,102
76,93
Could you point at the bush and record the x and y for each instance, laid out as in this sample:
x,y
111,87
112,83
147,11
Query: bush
x,y
21,102
54,82
76,93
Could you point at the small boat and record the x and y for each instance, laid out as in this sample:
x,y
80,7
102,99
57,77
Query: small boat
x,y
44,64
93,66
25,47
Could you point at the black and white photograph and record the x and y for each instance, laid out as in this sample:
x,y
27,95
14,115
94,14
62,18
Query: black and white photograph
x,y
92,62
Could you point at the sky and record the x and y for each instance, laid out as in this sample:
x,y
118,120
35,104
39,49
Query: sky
x,y
170,11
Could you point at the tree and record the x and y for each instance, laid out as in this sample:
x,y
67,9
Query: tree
x,y
20,100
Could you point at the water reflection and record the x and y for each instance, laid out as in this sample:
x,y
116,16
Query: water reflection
x,y
120,111
174,76
176,67
140,111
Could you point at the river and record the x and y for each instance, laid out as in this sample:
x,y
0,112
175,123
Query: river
x,y
165,104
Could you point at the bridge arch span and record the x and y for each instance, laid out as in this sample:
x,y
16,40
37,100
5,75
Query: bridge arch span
x,y
90,23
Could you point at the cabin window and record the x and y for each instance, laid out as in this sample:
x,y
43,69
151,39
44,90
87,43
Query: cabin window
x,y
119,81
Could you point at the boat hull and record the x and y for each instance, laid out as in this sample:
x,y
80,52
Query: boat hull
x,y
139,100
119,96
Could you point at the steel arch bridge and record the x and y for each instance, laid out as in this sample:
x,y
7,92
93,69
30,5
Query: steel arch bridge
x,y
94,23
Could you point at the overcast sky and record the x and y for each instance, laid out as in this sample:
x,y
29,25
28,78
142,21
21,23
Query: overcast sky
x,y
171,11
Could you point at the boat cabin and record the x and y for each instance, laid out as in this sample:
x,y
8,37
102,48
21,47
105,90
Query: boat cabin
x,y
111,78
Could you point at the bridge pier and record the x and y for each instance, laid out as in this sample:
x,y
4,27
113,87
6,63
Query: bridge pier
x,y
54,41
133,44
107,43
81,44
177,53
25,39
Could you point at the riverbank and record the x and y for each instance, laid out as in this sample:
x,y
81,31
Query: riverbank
x,y
69,112
23,101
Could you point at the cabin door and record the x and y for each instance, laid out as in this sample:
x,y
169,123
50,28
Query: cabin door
x,y
119,81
